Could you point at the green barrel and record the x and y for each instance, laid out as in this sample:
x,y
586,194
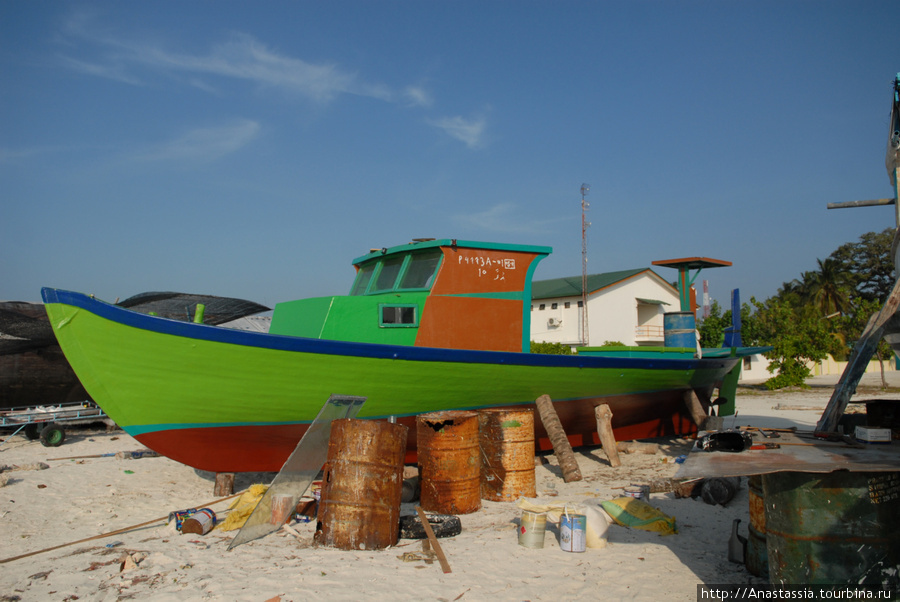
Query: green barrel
x,y
679,329
757,557
835,528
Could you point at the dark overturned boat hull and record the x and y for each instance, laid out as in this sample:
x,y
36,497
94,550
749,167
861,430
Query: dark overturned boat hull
x,y
35,372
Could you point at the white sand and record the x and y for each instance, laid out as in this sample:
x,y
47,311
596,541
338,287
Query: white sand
x,y
76,499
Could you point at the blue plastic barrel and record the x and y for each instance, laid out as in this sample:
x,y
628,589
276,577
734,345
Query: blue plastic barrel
x,y
679,329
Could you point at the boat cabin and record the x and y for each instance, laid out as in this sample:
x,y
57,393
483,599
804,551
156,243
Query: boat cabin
x,y
444,293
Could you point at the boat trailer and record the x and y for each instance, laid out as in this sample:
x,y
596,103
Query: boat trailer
x,y
45,422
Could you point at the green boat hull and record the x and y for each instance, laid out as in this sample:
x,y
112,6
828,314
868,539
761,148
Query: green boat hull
x,y
233,401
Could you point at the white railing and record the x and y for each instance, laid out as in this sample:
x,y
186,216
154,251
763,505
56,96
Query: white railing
x,y
649,332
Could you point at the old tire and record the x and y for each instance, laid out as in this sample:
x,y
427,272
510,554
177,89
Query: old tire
x,y
31,431
443,525
53,435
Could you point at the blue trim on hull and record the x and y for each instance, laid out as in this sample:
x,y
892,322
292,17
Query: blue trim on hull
x,y
230,336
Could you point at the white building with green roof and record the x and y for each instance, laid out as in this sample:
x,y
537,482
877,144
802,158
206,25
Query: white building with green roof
x,y
625,306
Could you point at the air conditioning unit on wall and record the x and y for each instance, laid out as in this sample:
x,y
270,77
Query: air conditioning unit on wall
x,y
554,322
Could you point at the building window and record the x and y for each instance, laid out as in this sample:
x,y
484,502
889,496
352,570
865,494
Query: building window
x,y
542,307
568,305
554,305
581,304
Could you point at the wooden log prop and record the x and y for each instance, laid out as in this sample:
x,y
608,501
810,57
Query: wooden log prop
x,y
604,429
561,446
224,483
696,410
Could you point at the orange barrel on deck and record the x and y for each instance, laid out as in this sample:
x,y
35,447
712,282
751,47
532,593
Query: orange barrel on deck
x,y
449,462
506,438
757,558
359,507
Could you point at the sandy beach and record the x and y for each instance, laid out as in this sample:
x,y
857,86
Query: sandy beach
x,y
78,499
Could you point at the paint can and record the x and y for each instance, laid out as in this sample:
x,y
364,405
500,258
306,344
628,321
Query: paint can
x,y
532,527
363,478
572,532
506,439
635,491
201,522
178,516
449,462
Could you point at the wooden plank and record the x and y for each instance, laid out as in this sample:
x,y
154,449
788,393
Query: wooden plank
x,y
445,566
870,203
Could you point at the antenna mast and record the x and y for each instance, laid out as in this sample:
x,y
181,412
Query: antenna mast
x,y
584,294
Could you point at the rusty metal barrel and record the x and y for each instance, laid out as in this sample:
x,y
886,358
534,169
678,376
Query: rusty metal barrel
x,y
449,462
836,528
757,557
506,438
362,483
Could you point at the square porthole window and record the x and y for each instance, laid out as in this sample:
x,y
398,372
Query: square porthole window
x,y
394,316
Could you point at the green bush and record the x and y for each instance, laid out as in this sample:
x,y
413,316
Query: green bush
x,y
551,348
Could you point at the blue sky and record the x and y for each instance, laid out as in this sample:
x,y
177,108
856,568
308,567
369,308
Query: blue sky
x,y
254,149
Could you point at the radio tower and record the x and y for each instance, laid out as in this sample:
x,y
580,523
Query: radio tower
x,y
584,293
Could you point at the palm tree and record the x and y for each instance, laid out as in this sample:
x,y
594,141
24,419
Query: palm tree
x,y
827,289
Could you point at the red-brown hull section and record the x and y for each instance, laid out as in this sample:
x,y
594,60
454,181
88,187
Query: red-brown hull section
x,y
264,448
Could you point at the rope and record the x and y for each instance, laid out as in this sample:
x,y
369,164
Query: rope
x,y
111,533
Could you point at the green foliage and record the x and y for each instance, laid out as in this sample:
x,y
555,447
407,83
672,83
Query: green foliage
x,y
797,335
825,310
854,324
868,264
550,348
712,328
613,344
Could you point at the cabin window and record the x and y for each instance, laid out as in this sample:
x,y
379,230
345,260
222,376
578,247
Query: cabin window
x,y
362,279
421,270
393,316
390,269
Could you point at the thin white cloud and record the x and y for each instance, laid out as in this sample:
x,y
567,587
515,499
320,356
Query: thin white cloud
x,y
505,217
469,131
205,144
113,72
242,57
418,96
